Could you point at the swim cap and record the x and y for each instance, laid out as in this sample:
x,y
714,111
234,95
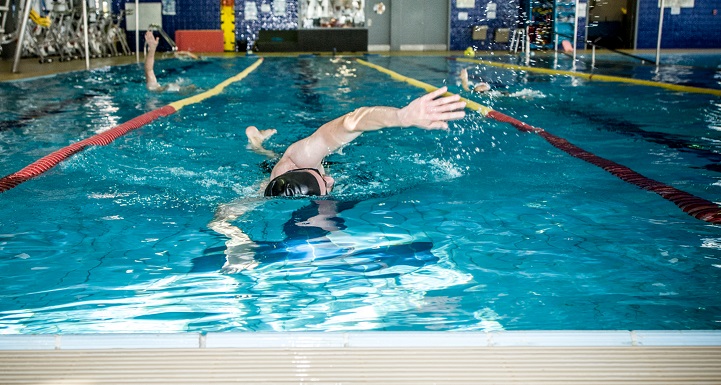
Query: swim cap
x,y
292,183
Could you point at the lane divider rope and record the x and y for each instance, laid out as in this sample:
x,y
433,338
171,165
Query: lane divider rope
x,y
53,159
587,76
698,208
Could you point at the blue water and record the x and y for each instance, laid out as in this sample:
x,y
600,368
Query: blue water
x,y
480,227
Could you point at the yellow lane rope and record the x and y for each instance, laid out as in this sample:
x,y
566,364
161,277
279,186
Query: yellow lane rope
x,y
604,78
699,208
49,161
215,90
470,104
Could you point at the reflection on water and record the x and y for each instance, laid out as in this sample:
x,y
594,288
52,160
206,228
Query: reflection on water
x,y
714,116
325,275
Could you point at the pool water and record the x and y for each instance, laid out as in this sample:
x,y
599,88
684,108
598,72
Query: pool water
x,y
480,227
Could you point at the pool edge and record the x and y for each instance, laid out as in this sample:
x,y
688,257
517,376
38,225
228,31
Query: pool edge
x,y
532,338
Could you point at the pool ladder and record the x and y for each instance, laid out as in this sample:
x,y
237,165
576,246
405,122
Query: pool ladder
x,y
4,9
517,38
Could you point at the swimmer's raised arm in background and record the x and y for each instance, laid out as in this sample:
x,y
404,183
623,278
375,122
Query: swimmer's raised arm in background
x,y
464,80
151,82
480,87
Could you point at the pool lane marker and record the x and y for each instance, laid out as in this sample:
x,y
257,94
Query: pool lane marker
x,y
591,77
49,161
698,208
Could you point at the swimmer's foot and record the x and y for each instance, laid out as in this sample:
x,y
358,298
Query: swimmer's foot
x,y
257,137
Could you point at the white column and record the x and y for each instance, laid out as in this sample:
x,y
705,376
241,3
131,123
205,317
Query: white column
x,y
85,25
137,30
21,37
660,30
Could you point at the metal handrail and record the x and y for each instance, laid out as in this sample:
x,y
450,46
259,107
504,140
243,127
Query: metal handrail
x,y
21,36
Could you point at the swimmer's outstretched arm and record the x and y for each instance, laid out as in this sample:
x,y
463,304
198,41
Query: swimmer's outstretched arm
x,y
431,112
151,82
179,54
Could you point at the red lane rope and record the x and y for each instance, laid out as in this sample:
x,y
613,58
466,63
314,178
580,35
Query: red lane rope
x,y
698,208
49,161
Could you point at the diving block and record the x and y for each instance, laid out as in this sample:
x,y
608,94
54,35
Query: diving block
x,y
204,40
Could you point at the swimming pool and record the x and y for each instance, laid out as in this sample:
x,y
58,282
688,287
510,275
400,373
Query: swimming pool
x,y
481,228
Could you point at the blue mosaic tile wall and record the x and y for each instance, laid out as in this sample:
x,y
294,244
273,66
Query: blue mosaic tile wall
x,y
509,14
695,27
189,14
246,31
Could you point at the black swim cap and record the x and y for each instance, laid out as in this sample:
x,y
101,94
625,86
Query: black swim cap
x,y
292,183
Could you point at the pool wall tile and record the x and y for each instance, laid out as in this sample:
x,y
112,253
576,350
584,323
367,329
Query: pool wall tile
x,y
694,27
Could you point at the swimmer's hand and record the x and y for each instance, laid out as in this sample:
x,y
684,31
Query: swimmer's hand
x,y
432,111
151,40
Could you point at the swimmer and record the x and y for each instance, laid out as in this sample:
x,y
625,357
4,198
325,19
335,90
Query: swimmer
x,y
485,88
151,82
300,172
480,87
185,54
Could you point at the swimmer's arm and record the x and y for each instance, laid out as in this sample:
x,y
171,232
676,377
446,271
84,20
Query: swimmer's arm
x,y
464,80
188,54
430,111
151,82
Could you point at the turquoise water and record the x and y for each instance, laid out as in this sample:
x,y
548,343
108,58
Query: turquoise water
x,y
481,227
